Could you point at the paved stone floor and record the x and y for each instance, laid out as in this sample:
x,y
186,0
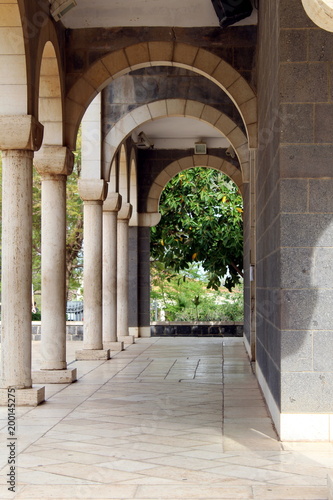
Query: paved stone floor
x,y
169,418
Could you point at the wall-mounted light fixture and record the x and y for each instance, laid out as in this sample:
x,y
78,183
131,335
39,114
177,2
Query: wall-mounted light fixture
x,y
230,152
200,148
144,142
60,7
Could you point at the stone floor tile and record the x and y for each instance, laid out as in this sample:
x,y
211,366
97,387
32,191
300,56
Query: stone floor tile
x,y
289,493
194,492
89,472
149,422
83,491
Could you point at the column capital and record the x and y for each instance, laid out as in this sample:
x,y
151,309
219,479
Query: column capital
x,y
125,212
148,219
54,160
112,203
92,189
20,132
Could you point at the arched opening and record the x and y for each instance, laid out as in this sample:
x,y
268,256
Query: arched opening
x,y
13,74
178,108
50,104
197,252
142,55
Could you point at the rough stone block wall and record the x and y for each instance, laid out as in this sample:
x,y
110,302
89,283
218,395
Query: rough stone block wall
x,y
295,209
306,206
267,200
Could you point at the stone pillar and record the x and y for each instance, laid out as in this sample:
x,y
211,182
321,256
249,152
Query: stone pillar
x,y
122,275
145,222
19,137
111,207
133,278
93,193
54,163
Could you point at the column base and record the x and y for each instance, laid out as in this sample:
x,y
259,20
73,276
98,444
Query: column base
x,y
51,365
127,339
92,354
330,486
54,376
114,346
134,331
24,397
144,331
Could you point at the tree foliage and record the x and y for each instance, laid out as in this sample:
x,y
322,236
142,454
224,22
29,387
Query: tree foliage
x,y
176,299
201,221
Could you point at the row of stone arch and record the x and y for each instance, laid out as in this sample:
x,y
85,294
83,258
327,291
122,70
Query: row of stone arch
x,y
36,83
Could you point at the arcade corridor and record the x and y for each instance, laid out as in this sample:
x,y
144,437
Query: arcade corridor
x,y
168,418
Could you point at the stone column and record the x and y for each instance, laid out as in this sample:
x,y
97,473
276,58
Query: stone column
x,y
93,193
111,207
124,216
54,163
19,137
145,222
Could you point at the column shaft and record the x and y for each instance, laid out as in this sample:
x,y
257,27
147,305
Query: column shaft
x,y
53,272
122,278
93,275
16,268
109,277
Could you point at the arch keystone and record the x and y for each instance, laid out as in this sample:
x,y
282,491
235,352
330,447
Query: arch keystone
x,y
200,160
176,107
160,51
158,109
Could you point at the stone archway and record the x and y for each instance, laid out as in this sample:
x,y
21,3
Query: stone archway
x,y
184,164
179,107
176,54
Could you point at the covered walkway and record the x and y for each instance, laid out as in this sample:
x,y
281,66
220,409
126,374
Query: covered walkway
x,y
168,418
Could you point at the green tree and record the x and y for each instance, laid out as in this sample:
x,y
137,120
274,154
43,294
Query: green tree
x,y
201,221
185,297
